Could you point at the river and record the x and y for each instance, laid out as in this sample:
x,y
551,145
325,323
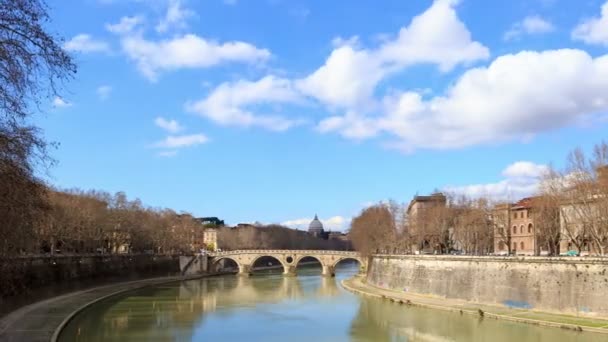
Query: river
x,y
269,307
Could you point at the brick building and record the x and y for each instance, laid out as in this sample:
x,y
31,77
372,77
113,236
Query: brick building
x,y
514,226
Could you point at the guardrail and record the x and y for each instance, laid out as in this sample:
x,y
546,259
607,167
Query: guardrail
x,y
282,251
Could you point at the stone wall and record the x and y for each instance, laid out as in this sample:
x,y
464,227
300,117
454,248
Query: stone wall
x,y
17,275
568,285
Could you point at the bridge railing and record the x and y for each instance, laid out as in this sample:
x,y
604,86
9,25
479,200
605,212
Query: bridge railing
x,y
283,251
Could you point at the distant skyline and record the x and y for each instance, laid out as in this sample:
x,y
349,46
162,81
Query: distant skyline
x,y
275,110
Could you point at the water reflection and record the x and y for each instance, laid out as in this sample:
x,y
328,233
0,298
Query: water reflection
x,y
277,308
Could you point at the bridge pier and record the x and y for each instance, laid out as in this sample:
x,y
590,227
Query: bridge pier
x,y
244,270
289,271
328,271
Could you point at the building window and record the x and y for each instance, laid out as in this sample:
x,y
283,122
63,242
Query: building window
x,y
514,230
515,215
530,228
521,215
501,246
521,229
522,245
514,245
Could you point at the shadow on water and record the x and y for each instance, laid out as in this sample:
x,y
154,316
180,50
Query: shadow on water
x,y
277,308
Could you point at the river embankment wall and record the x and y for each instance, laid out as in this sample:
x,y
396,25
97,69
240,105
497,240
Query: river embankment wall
x,y
566,285
17,275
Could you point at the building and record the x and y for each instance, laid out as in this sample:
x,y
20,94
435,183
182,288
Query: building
x,y
210,239
210,221
316,227
583,214
514,229
523,237
338,236
422,227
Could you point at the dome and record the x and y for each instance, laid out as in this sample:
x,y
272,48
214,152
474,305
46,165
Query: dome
x,y
315,226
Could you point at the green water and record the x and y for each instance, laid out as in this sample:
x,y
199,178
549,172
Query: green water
x,y
271,307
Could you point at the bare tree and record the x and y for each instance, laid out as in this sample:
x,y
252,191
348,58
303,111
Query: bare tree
x,y
32,67
373,231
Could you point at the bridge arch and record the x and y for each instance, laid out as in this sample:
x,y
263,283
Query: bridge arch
x,y
345,258
305,256
216,263
269,255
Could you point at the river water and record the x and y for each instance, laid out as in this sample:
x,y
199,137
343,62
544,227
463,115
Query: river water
x,y
270,307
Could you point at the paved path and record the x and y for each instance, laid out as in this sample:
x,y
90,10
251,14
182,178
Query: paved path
x,y
39,321
358,285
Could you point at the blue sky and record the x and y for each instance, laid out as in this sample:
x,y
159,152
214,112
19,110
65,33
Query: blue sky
x,y
275,110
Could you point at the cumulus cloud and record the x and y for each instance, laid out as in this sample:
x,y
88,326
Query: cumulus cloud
x,y
171,126
228,104
494,103
58,102
178,141
350,74
521,179
84,43
104,91
175,16
525,169
349,77
125,25
186,52
334,223
593,30
529,25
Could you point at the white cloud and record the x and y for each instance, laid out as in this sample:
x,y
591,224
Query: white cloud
x,y
347,79
228,103
525,169
187,51
533,24
175,17
334,223
104,91
593,30
171,126
58,102
494,103
436,36
125,25
350,74
85,43
522,179
178,141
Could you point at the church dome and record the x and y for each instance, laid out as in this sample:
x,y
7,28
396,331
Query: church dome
x,y
315,226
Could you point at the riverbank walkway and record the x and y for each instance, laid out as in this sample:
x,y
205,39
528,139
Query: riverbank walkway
x,y
359,286
40,321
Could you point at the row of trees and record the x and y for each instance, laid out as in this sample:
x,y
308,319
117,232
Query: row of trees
x,y
274,237
98,222
569,212
462,224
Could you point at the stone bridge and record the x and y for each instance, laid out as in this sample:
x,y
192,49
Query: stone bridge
x,y
289,259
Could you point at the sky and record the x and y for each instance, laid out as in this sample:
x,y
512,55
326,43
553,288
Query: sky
x,y
277,110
